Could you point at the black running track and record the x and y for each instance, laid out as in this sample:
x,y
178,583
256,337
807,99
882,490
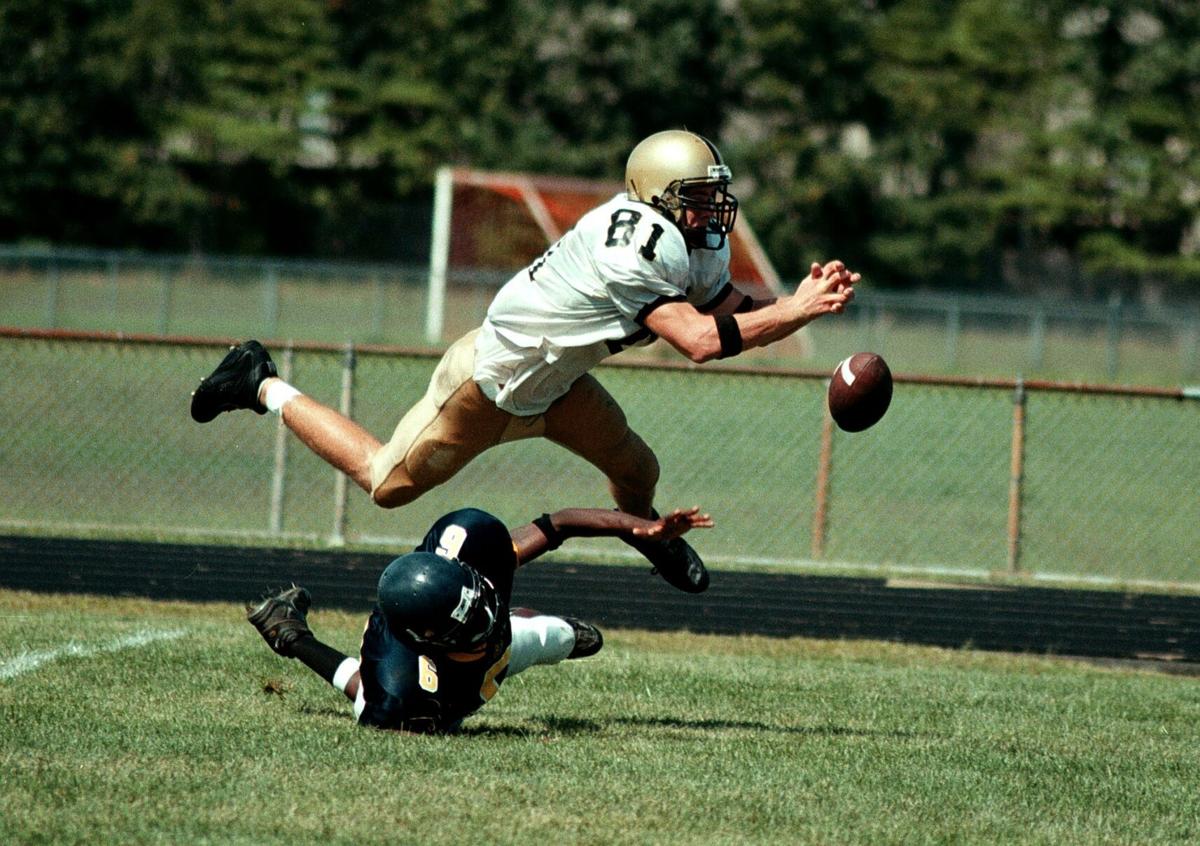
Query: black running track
x,y
1098,624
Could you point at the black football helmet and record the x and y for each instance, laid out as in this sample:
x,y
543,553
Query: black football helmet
x,y
437,602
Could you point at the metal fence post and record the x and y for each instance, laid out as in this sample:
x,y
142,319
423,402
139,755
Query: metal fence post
x,y
338,538
439,255
1016,475
821,503
279,473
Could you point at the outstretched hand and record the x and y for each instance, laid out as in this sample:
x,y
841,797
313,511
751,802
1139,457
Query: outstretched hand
x,y
676,524
828,289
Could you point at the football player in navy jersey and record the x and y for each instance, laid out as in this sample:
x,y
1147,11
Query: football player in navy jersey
x,y
442,637
651,262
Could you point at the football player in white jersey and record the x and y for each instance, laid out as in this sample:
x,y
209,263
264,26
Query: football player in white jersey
x,y
652,262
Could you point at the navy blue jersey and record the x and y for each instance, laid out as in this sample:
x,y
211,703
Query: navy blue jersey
x,y
480,541
425,691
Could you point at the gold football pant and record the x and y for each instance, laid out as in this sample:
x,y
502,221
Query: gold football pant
x,y
454,422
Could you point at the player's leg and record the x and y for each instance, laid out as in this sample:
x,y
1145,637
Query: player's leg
x,y
588,421
246,379
450,425
337,439
545,639
282,620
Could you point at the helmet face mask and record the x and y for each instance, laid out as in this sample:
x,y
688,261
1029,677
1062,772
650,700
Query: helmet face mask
x,y
468,625
683,175
437,602
712,207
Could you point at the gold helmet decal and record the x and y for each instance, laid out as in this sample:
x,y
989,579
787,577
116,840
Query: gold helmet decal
x,y
682,174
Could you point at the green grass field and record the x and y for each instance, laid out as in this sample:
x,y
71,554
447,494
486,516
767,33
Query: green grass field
x,y
130,721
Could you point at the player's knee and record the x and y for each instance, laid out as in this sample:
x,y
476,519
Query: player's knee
x,y
395,489
426,465
392,497
650,471
639,471
387,479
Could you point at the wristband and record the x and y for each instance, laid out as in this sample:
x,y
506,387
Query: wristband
x,y
729,334
554,537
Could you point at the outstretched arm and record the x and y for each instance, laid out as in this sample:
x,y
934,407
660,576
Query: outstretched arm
x,y
826,290
550,530
737,302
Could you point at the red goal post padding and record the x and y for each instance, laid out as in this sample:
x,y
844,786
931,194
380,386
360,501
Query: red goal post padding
x,y
498,221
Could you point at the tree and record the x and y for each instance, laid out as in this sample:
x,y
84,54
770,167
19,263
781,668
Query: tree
x,y
515,85
963,81
1114,173
252,120
810,174
600,76
80,118
154,124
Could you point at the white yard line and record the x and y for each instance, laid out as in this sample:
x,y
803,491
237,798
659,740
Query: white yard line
x,y
26,662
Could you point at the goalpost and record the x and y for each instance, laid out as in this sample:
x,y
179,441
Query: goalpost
x,y
493,223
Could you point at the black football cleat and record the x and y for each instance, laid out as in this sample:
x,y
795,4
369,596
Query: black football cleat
x,y
588,639
234,384
282,619
675,561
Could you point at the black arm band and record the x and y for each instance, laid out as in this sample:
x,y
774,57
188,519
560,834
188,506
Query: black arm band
x,y
747,304
730,335
554,537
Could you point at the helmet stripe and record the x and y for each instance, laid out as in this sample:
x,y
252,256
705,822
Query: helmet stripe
x,y
712,148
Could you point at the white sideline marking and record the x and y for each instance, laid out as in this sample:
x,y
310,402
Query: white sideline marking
x,y
28,661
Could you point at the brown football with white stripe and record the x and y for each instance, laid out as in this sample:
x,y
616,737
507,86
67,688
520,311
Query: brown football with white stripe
x,y
860,392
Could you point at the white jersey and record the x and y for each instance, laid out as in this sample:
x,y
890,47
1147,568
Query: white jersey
x,y
585,299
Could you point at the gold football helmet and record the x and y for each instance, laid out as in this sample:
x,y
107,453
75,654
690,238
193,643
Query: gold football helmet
x,y
682,174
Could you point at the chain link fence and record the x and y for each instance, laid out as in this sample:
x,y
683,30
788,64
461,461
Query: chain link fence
x,y
1052,337
946,333
966,478
212,296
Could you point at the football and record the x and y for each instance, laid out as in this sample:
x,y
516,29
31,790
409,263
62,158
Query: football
x,y
860,392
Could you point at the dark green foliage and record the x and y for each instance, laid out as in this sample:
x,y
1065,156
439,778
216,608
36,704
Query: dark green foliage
x,y
931,142
84,93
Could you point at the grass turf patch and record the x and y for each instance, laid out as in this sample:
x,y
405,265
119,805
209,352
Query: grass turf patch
x,y
130,721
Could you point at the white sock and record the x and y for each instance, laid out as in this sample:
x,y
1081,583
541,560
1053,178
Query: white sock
x,y
277,394
344,672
